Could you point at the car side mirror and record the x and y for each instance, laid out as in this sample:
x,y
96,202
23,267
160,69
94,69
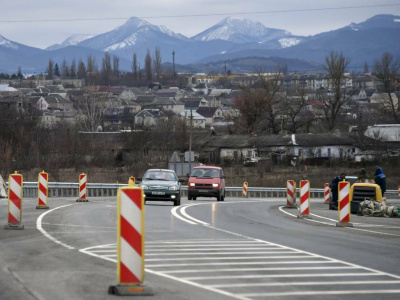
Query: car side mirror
x,y
223,177
139,179
181,180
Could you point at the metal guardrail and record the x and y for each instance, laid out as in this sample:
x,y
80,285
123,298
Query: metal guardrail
x,y
69,189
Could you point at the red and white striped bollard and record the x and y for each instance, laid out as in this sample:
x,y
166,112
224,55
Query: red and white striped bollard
x,y
130,243
327,192
304,199
82,188
245,187
344,204
15,194
43,188
290,194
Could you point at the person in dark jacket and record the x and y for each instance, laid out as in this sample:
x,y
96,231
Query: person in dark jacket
x,y
334,188
380,179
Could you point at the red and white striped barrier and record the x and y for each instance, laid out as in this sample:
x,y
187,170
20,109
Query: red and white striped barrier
x,y
245,187
304,199
131,181
43,183
327,192
290,193
344,204
15,182
82,188
399,190
130,242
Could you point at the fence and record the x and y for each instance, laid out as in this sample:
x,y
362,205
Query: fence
x,y
65,189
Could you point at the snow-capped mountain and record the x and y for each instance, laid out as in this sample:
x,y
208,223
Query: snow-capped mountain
x,y
73,40
129,34
230,39
7,43
239,30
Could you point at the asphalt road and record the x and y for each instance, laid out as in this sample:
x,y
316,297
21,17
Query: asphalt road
x,y
203,249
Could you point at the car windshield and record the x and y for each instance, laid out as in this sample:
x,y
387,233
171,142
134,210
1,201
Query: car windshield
x,y
160,175
205,173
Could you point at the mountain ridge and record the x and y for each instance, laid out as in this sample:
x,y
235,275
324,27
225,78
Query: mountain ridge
x,y
229,39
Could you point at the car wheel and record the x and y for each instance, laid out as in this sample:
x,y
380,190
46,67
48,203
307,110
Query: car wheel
x,y
193,198
219,197
190,197
177,202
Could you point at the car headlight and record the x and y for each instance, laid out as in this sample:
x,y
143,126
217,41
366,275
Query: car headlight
x,y
215,185
145,187
173,188
192,184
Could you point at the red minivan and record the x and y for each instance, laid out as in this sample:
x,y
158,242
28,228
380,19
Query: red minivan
x,y
206,181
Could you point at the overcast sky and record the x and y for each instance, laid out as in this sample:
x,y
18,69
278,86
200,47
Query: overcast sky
x,y
298,17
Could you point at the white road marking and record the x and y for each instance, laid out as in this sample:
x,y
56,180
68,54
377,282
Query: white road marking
x,y
80,226
211,249
45,233
175,214
220,253
285,284
257,263
258,269
183,212
198,285
214,277
334,224
231,258
309,293
298,254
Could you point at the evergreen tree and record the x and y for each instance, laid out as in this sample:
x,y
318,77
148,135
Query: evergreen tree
x,y
19,73
56,70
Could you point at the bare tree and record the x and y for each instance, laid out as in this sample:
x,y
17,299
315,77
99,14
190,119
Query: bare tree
x,y
90,108
92,69
293,110
64,69
116,67
157,62
72,69
386,71
335,65
147,66
257,105
106,69
81,74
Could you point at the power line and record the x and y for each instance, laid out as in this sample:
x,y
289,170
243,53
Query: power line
x,y
205,15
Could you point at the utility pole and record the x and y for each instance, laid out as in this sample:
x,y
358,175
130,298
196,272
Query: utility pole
x,y
190,142
173,64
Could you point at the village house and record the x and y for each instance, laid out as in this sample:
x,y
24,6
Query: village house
x,y
193,119
212,114
277,147
193,103
57,102
150,117
168,104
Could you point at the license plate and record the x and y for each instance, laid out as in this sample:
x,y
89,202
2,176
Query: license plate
x,y
158,193
203,191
